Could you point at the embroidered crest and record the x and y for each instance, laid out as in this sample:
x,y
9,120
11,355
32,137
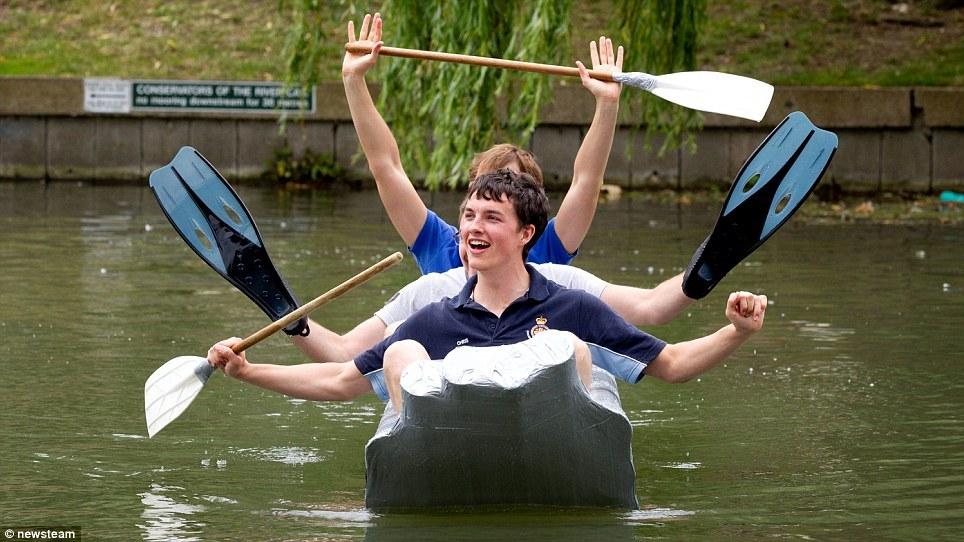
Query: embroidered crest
x,y
540,326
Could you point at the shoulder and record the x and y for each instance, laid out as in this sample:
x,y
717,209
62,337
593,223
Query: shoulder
x,y
430,313
549,248
573,277
435,249
424,321
563,273
438,286
439,283
580,299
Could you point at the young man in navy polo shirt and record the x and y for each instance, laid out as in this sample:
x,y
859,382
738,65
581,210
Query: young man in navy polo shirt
x,y
504,303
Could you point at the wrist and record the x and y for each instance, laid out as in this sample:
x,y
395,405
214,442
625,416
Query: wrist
x,y
607,101
743,333
243,372
353,77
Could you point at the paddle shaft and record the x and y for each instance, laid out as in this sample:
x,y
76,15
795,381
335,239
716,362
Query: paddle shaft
x,y
310,306
550,69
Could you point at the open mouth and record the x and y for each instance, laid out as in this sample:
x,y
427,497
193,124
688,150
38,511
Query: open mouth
x,y
476,244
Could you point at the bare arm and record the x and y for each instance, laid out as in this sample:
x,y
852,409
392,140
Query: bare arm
x,y
404,207
683,361
324,345
579,205
312,381
648,307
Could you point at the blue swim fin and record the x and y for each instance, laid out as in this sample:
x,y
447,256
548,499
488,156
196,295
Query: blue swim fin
x,y
214,222
772,184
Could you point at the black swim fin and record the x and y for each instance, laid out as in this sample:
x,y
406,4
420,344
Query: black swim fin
x,y
773,183
214,222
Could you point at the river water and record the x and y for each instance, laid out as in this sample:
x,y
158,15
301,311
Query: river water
x,y
841,420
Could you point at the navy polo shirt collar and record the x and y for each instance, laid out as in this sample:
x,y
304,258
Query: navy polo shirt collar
x,y
538,289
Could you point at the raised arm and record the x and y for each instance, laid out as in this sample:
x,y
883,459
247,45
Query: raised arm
x,y
683,361
579,205
404,207
648,307
312,381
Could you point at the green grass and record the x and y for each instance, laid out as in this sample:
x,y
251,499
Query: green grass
x,y
792,42
852,43
212,39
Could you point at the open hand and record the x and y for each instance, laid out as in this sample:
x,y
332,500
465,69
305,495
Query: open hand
x,y
746,311
370,34
606,60
221,356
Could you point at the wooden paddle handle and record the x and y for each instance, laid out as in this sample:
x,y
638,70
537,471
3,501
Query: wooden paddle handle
x,y
310,306
365,47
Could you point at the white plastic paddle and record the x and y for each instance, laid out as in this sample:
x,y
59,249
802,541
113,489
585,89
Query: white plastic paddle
x,y
714,92
173,386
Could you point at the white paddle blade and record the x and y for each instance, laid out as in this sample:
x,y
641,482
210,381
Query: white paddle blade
x,y
172,387
713,92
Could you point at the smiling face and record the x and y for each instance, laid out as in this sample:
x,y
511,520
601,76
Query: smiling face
x,y
491,233
501,218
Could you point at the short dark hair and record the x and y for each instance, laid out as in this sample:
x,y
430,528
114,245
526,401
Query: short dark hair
x,y
527,196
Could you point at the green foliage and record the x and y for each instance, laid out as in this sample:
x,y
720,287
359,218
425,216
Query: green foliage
x,y
307,44
661,36
457,106
310,167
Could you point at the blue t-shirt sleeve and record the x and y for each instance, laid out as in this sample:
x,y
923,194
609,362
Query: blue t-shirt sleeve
x,y
436,249
549,248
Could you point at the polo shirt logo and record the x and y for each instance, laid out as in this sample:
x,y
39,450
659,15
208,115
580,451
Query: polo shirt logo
x,y
540,326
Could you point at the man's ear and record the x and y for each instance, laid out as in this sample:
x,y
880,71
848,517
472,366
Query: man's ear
x,y
528,231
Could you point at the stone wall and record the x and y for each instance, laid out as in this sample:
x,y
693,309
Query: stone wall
x,y
893,139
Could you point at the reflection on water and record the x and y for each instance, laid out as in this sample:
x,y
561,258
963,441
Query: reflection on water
x,y
288,455
165,519
841,420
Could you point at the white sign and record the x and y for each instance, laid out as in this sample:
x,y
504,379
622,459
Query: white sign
x,y
107,96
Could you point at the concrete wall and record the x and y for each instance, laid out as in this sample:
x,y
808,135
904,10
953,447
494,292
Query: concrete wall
x,y
894,139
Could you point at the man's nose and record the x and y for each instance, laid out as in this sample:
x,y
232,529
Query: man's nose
x,y
471,224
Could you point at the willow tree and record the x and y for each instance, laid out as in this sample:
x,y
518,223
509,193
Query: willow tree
x,y
443,114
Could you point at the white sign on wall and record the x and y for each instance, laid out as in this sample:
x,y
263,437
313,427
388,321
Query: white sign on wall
x,y
107,96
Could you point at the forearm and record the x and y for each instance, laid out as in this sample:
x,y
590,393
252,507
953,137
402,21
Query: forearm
x,y
312,381
405,208
323,345
648,307
683,361
579,205
594,152
374,135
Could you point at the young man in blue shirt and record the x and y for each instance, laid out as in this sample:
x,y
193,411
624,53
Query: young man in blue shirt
x,y
503,304
433,241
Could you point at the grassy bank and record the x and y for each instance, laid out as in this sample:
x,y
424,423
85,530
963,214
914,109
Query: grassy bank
x,y
822,42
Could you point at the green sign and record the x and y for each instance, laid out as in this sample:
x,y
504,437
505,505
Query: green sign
x,y
219,96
